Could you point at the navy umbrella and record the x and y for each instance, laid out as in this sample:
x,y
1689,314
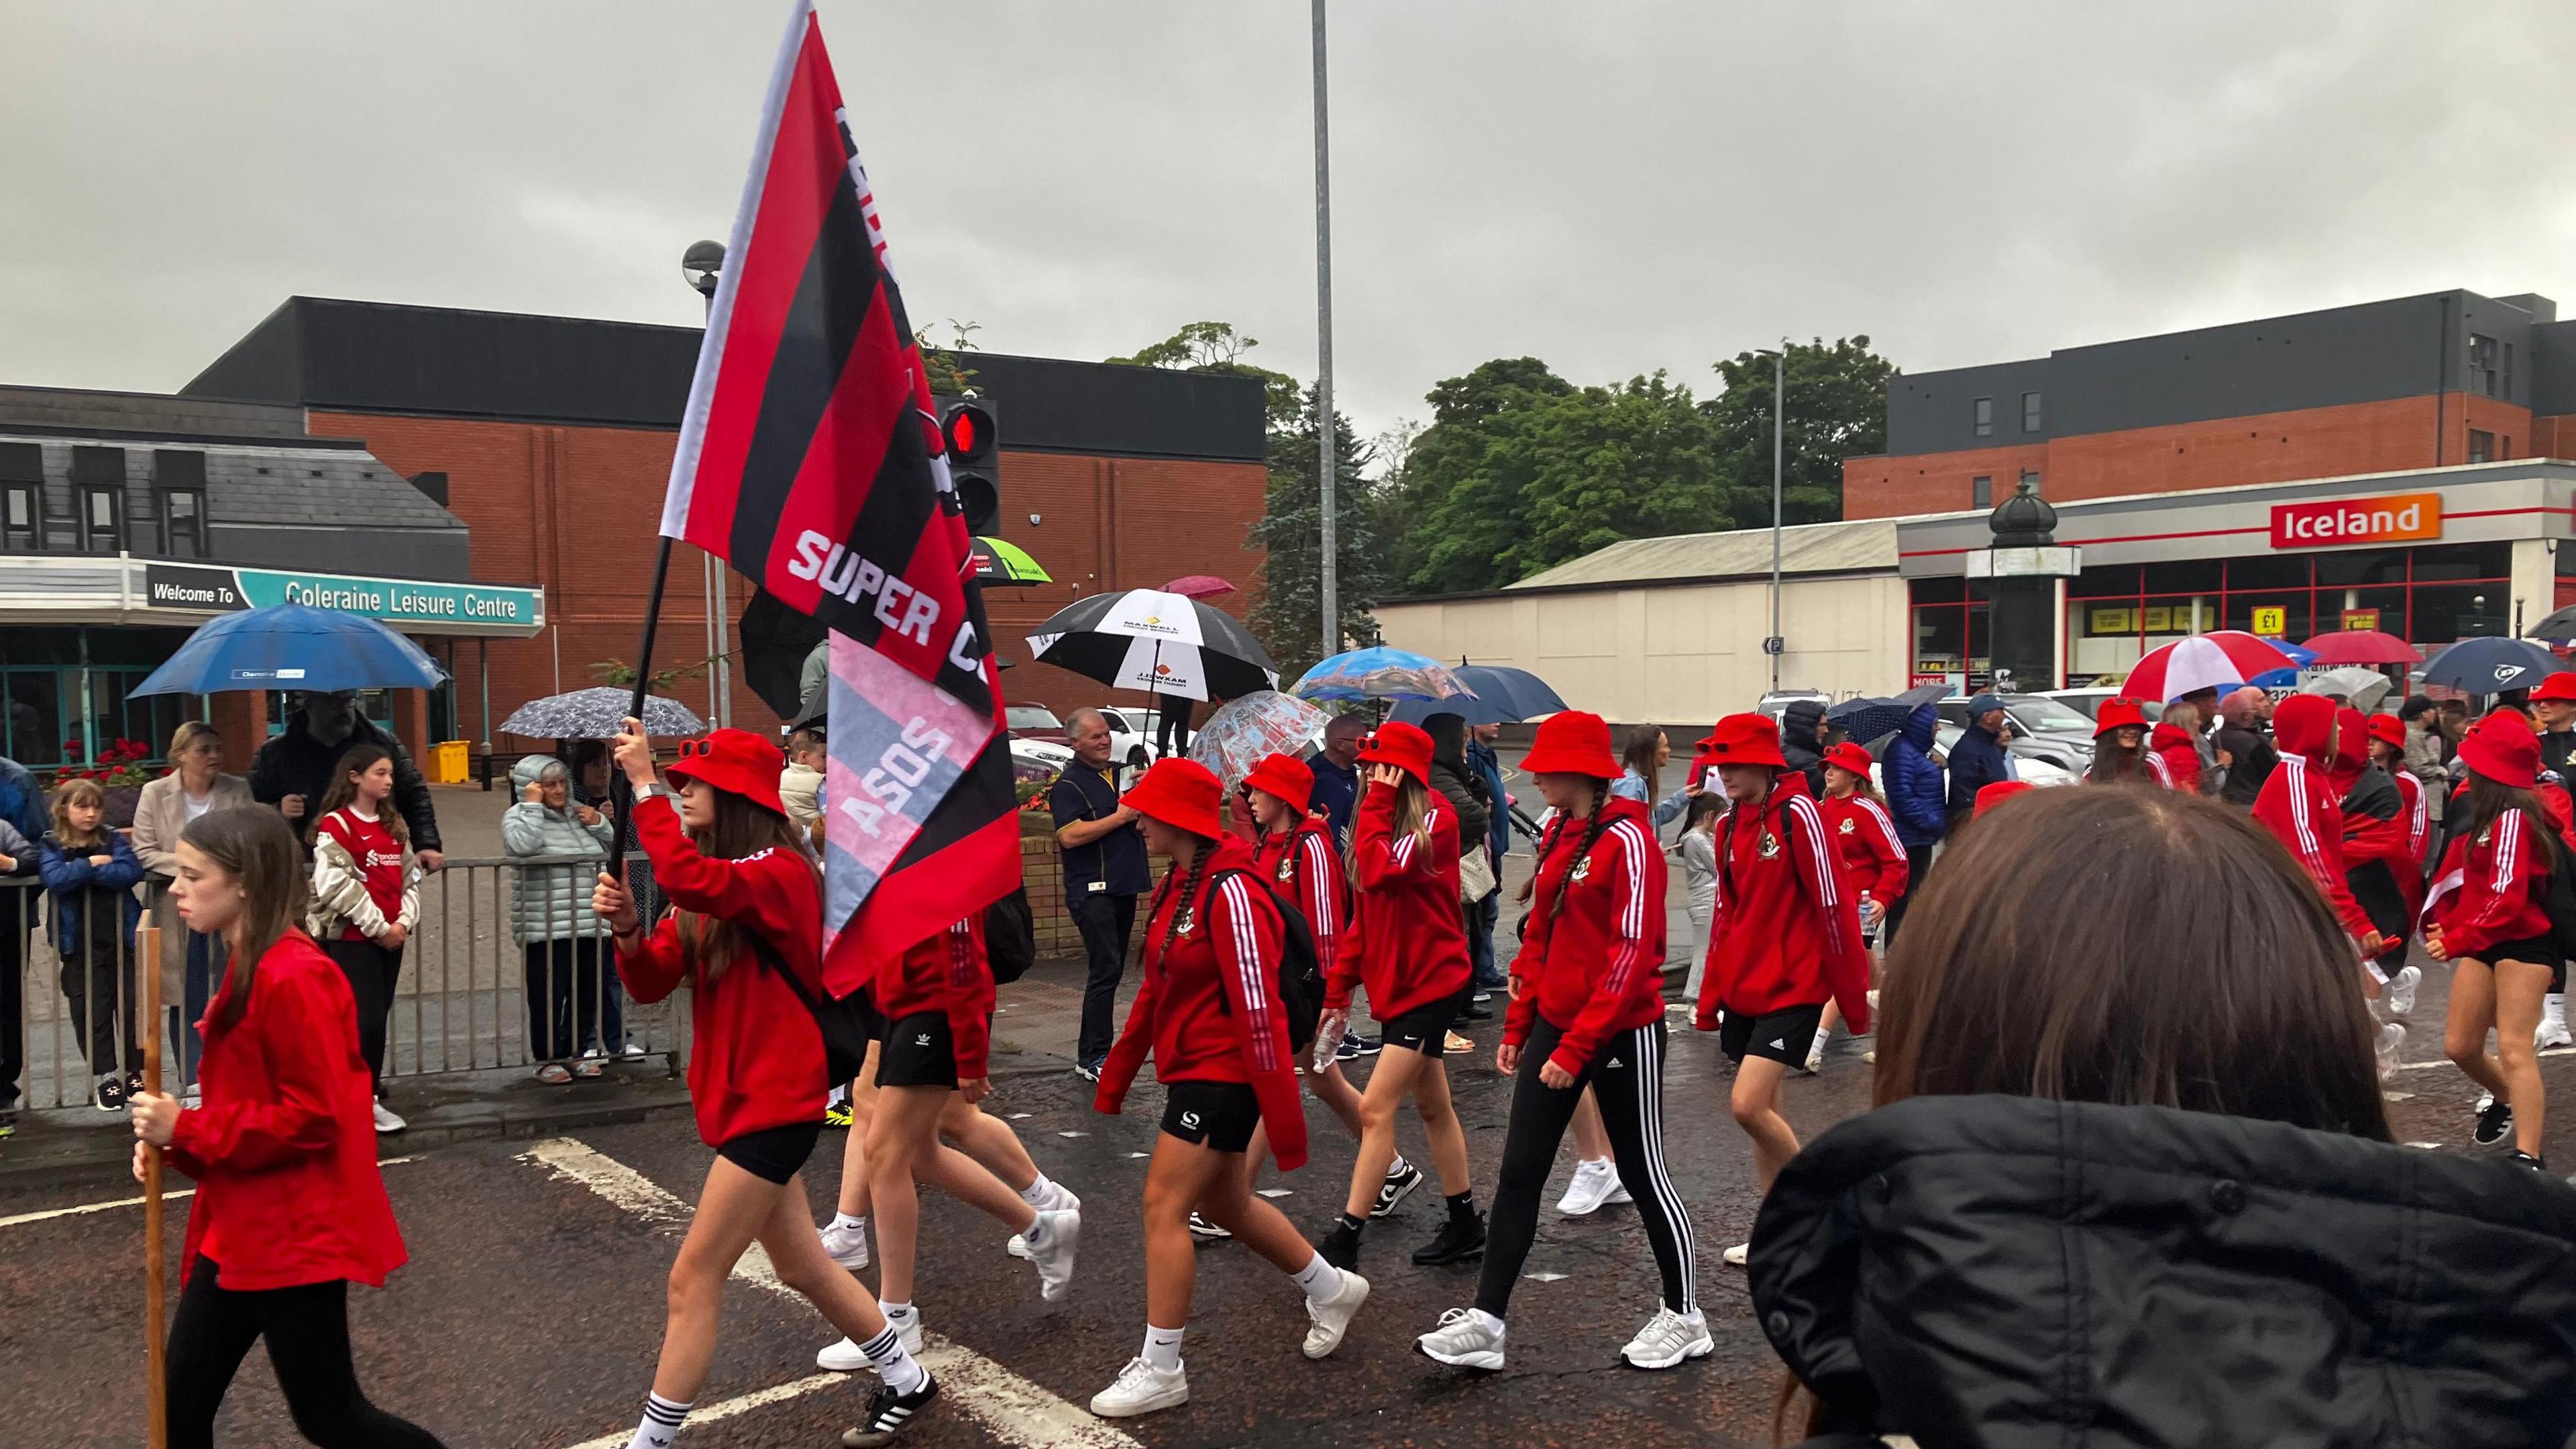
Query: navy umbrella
x,y
1503,696
1877,718
293,647
2491,666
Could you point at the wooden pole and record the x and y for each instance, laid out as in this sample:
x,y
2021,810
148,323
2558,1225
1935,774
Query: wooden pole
x,y
156,1424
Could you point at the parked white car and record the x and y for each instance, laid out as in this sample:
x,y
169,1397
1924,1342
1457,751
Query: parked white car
x,y
1130,729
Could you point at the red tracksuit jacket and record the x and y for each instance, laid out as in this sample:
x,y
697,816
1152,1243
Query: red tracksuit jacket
x,y
1305,868
757,1055
948,973
1595,967
1209,1010
2180,754
2493,887
1873,859
2302,811
1409,945
1787,928
284,1149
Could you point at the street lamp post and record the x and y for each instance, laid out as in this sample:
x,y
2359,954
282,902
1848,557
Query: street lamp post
x,y
1776,646
1324,430
699,266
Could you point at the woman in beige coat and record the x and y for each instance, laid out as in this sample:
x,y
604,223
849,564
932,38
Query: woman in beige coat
x,y
195,785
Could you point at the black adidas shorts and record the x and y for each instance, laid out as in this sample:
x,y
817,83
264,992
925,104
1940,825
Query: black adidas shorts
x,y
773,1154
917,1051
1783,1036
1425,1028
2537,950
1220,1114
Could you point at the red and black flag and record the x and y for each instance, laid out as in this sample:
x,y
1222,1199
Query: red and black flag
x,y
810,458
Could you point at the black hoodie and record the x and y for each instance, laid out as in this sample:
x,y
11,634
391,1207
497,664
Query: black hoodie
x,y
1798,745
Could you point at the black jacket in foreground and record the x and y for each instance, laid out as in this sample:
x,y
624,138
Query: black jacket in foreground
x,y
2015,1273
295,763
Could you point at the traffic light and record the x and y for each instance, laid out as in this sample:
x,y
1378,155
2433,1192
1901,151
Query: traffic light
x,y
975,463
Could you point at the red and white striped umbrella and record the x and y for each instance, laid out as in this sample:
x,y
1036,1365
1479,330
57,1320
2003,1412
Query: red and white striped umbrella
x,y
2221,660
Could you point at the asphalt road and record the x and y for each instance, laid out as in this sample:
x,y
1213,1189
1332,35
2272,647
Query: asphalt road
x,y
532,1308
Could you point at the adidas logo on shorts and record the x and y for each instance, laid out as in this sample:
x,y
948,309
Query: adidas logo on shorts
x,y
1778,1045
924,1040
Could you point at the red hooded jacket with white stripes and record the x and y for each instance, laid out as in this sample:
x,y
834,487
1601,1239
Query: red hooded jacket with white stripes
x,y
1873,859
1596,966
2492,887
2298,804
947,973
1787,929
1209,1010
1305,868
1408,942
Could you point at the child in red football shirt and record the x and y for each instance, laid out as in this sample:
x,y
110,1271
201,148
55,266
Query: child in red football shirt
x,y
363,905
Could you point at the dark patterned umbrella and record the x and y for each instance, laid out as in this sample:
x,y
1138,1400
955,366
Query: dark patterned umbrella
x,y
597,714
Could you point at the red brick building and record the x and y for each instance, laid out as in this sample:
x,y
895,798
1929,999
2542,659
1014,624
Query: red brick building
x,y
551,438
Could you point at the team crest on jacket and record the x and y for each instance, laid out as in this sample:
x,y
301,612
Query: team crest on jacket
x,y
1287,869
1582,869
1847,825
1183,919
1768,847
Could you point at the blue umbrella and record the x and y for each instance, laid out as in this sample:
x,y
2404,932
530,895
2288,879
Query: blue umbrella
x,y
1502,696
2490,666
1379,673
2300,654
2275,679
294,647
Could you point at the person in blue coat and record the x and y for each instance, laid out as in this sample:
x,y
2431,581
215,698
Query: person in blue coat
x,y
90,873
1979,758
1916,797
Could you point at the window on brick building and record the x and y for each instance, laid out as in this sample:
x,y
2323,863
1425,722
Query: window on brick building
x,y
1981,492
2030,480
2481,445
183,523
2030,412
2484,358
1985,416
18,521
102,520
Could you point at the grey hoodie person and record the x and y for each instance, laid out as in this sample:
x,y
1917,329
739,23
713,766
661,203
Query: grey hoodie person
x,y
551,902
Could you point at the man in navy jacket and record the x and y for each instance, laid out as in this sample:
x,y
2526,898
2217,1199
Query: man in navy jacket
x,y
1979,758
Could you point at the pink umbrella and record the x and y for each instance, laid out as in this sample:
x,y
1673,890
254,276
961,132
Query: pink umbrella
x,y
2222,660
1198,586
2363,646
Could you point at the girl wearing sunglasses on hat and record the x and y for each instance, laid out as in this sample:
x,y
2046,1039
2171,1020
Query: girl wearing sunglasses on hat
x,y
1408,947
1210,1015
747,911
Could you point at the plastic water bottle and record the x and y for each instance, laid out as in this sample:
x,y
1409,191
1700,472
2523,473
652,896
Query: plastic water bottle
x,y
1328,1040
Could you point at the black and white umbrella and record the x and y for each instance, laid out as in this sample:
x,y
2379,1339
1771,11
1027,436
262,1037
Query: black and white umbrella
x,y
598,714
1160,642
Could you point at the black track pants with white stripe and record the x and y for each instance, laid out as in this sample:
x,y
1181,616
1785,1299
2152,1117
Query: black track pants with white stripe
x,y
1627,1077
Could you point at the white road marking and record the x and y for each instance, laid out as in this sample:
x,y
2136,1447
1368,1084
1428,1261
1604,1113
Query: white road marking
x,y
2446,1061
1022,1116
1544,1277
1073,1134
1278,1192
169,1195
1010,1408
2427,1146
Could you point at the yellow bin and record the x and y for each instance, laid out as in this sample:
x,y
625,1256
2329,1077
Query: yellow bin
x,y
447,762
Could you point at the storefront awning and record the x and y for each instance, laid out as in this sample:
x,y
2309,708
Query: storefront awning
x,y
74,589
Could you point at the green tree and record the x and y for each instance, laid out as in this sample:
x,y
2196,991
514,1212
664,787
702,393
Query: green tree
x,y
1837,409
1289,617
949,374
1455,505
1217,347
1632,460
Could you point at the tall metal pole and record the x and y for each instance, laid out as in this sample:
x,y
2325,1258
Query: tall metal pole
x,y
1324,432
1779,388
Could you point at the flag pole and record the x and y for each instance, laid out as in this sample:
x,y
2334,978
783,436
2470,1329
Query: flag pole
x,y
621,791
156,1288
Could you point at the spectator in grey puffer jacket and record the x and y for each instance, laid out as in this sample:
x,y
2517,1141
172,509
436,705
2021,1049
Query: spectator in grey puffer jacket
x,y
563,940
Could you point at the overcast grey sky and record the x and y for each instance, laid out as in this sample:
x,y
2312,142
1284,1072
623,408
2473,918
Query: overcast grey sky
x,y
1612,187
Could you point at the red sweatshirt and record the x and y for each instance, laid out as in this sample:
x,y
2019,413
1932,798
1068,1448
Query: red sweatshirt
x,y
2493,887
1305,868
1596,966
1787,929
947,973
2180,753
1873,860
757,1055
1209,1010
1409,947
284,1149
2302,809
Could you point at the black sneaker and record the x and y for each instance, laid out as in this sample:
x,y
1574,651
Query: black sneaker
x,y
1398,1185
110,1096
1364,1046
1206,1231
1476,1013
1461,1238
2495,1119
2521,1158
1088,1071
1340,1246
890,1413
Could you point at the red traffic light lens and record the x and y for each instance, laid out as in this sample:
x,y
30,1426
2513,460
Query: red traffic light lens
x,y
966,427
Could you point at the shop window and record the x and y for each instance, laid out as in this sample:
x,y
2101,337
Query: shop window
x,y
2444,612
2114,579
34,727
1985,417
2267,571
2481,445
2030,412
102,519
2029,481
183,523
2388,604
1949,590
2484,359
2186,576
1981,492
2443,563
18,520
2361,566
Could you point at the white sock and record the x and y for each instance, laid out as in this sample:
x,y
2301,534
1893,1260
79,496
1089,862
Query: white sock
x,y
1036,1234
896,1368
1399,1167
1163,1347
1486,1321
895,1311
2553,1007
1823,1035
1039,1193
1602,1164
849,1224
1320,1279
662,1421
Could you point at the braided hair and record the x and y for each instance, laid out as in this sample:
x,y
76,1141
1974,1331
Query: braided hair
x,y
1189,888
1595,823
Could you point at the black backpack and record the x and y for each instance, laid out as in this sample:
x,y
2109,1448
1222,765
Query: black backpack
x,y
1301,976
843,1021
1010,937
2562,899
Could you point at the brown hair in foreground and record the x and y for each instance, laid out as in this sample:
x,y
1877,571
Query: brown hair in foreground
x,y
256,847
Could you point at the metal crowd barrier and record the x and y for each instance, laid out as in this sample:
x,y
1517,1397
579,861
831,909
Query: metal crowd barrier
x,y
460,1001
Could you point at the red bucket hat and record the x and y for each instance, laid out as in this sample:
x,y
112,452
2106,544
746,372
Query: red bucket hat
x,y
2560,686
1402,745
2388,729
2118,714
1851,757
1571,742
2504,750
1290,780
1745,739
1180,793
1997,793
737,762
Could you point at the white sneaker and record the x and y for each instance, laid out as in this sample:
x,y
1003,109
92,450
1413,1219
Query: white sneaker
x,y
2392,1043
386,1121
844,1357
1018,1247
1816,1054
1667,1339
1333,1315
1736,1255
2401,990
1593,1185
1060,1200
846,1246
2553,1023
1141,1389
1055,1260
1463,1340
